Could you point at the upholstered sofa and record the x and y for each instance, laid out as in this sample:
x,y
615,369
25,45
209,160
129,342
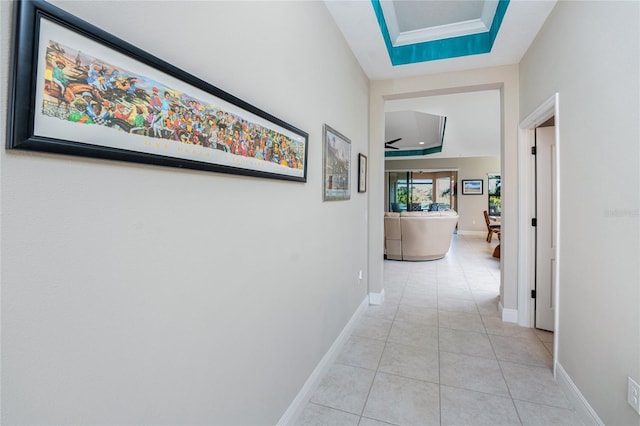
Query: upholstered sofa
x,y
418,235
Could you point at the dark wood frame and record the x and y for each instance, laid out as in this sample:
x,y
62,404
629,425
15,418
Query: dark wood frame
x,y
362,173
23,107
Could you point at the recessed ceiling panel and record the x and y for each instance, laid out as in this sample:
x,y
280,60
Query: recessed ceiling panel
x,y
417,15
473,125
413,133
420,31
359,24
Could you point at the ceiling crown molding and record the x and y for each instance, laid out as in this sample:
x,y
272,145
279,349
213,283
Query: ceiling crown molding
x,y
438,32
470,37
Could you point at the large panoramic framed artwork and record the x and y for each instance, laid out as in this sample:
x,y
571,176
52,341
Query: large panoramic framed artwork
x,y
78,90
337,165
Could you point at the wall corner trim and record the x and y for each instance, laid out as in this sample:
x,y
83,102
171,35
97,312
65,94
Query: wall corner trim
x,y
508,315
376,298
583,409
299,402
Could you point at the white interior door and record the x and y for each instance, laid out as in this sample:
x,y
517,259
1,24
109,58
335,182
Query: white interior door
x,y
545,228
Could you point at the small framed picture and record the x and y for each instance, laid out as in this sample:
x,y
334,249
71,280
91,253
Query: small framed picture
x,y
337,165
472,187
362,173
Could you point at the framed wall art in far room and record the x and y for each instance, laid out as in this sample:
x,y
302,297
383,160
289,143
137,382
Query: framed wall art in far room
x,y
362,173
336,165
76,89
472,187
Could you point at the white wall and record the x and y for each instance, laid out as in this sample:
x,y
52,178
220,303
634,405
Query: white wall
x,y
473,121
470,207
505,79
134,294
588,53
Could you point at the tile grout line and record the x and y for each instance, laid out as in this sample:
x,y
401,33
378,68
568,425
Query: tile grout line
x,y
515,407
449,275
438,334
366,400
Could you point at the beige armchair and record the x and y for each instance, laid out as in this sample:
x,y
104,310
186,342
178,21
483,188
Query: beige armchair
x,y
426,238
392,236
418,235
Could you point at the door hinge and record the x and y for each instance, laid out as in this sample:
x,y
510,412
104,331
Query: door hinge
x,y
534,222
533,294
533,150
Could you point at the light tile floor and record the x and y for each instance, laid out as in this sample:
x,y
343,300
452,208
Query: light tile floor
x,y
437,353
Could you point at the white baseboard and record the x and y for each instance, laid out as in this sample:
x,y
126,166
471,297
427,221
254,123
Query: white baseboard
x,y
300,401
508,315
376,298
584,411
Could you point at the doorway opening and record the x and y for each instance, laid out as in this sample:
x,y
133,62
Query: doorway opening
x,y
463,149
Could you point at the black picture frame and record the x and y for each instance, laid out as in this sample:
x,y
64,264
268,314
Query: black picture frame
x,y
50,43
472,187
362,173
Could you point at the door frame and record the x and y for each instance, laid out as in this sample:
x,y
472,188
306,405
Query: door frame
x,y
526,207
544,231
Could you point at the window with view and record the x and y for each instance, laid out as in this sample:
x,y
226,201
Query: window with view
x,y
419,191
495,204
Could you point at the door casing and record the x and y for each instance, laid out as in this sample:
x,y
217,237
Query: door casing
x,y
526,207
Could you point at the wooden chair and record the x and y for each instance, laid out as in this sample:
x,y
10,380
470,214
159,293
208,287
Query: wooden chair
x,y
492,229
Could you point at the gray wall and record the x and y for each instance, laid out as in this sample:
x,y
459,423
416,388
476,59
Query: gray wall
x,y
134,294
588,53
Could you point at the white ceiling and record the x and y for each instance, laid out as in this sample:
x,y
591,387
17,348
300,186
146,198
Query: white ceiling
x,y
357,22
473,122
413,129
473,119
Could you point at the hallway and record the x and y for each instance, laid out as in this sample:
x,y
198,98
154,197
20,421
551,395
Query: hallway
x,y
437,353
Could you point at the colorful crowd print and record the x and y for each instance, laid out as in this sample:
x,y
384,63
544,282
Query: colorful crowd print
x,y
84,90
